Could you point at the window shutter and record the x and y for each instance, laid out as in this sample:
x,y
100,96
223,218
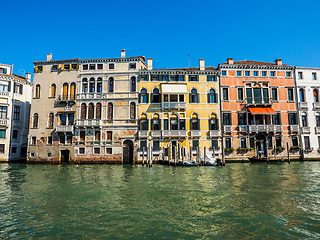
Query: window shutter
x,y
198,97
62,67
151,124
147,94
210,124
139,98
208,98
190,98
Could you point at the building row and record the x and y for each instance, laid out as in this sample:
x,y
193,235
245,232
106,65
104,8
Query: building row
x,y
113,109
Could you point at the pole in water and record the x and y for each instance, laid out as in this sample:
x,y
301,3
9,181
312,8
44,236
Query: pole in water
x,y
275,153
205,155
150,157
142,156
288,153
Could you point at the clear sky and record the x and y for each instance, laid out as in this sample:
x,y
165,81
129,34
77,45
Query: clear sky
x,y
166,31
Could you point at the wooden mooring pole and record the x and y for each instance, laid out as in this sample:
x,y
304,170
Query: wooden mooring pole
x,y
288,153
142,156
205,154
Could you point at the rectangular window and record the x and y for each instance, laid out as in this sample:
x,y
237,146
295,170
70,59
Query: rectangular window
x,y
288,74
318,142
62,139
314,76
255,73
228,143
33,140
66,66
193,79
242,120
182,124
290,94
215,144
318,121
2,133
49,154
251,142
96,150
54,68
82,150
109,135
14,150
306,142
82,135
227,119
240,93
16,113
15,134
165,78
108,150
269,142
74,66
243,143
300,76
294,141
92,67
156,145
264,74
165,124
278,141
2,146
224,73
272,74
97,136
181,79
211,79
274,93
69,139
195,144
238,73
111,66
247,73
132,66
100,66
143,144
85,67
49,140
292,118
225,94
276,119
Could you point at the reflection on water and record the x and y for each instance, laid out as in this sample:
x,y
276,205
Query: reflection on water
x,y
238,201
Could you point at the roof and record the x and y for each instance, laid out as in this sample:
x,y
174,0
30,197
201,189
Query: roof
x,y
15,76
191,68
250,62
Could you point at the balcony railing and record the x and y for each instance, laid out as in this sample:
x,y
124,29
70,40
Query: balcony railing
x,y
242,128
261,128
277,128
317,129
303,105
316,105
90,95
143,134
88,122
65,99
64,128
305,130
156,133
258,101
294,128
214,133
4,93
174,133
195,133
4,122
173,105
227,128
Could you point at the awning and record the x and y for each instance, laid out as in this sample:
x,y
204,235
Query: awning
x,y
266,110
174,88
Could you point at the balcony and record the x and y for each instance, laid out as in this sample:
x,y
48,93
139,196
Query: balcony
x,y
277,128
89,122
294,128
242,128
90,95
174,133
195,133
174,105
143,134
305,130
316,105
4,123
64,128
303,105
214,133
261,128
156,133
258,101
65,99
227,128
4,93
317,129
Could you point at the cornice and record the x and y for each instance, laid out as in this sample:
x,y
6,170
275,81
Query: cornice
x,y
179,72
13,79
244,66
95,60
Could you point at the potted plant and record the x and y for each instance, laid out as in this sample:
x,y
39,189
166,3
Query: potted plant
x,y
242,150
228,150
279,149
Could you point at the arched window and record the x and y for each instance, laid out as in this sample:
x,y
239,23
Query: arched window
x,y
110,111
133,84
84,85
65,91
111,84
194,96
132,110
90,111
156,95
213,122
144,95
194,122
98,111
301,95
53,90
156,122
50,120
315,95
99,84
38,88
143,122
92,85
35,120
212,96
173,122
72,91
304,119
83,111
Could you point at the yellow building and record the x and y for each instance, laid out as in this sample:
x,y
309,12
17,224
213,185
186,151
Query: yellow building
x,y
178,107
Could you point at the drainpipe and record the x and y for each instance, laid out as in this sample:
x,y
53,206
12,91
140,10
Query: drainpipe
x,y
221,119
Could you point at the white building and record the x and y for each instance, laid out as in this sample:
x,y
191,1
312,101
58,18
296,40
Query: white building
x,y
308,87
15,101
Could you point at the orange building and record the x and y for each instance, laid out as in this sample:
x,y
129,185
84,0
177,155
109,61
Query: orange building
x,y
259,111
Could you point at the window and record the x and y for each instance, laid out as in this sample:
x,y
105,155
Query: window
x,y
276,118
99,84
81,150
100,66
300,76
83,111
252,142
2,147
314,76
16,113
243,143
317,121
295,141
318,142
144,122
278,141
54,68
181,79
90,111
85,67
193,79
66,66
14,150
111,66
306,142
228,143
2,133
264,74
48,154
133,84
98,111
62,139
255,73
224,73
74,66
247,73
18,88
33,140
156,145
53,90
211,79
213,122
288,74
304,120
212,96
3,112
97,135
92,67
50,120
225,94
215,144
96,150
132,66
242,119
143,144
4,88
38,68
301,95
272,74
182,123
84,85
37,94
92,85
109,135
227,119
111,84
269,139
72,91
274,94
156,95
155,78
35,120
239,73
195,144
110,111
174,122
155,122
132,110
194,96
292,118
65,87
109,150
63,119
144,96
82,136
165,78
315,95
240,94
49,142
290,94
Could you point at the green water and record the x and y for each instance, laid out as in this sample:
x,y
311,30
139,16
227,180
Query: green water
x,y
238,201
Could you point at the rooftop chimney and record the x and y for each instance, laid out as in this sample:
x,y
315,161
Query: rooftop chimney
x,y
230,60
201,64
278,61
28,77
150,60
123,53
49,57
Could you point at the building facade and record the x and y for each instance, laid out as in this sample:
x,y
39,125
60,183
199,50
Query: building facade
x,y
308,87
259,109
15,102
178,108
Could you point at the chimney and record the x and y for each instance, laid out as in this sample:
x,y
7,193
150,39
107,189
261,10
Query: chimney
x,y
201,64
123,53
278,61
49,57
28,77
230,60
150,60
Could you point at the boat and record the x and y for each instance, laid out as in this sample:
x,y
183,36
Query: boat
x,y
187,163
210,161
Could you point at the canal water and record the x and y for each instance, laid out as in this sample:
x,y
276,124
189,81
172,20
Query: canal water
x,y
238,201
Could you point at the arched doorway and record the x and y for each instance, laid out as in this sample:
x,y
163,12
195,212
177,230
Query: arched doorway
x,y
127,152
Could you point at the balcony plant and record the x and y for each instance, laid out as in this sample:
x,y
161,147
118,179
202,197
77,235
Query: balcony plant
x,y
295,148
228,150
242,150
279,149
251,149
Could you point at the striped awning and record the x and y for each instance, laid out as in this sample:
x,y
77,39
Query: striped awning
x,y
266,110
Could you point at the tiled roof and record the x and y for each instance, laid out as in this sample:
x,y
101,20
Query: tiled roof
x,y
248,62
15,76
184,69
143,57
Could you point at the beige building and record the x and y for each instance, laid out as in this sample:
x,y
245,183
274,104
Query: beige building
x,y
15,100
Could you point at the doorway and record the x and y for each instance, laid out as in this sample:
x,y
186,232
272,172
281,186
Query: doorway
x,y
64,156
127,152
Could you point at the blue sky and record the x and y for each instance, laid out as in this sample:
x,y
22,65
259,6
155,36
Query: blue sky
x,y
165,30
